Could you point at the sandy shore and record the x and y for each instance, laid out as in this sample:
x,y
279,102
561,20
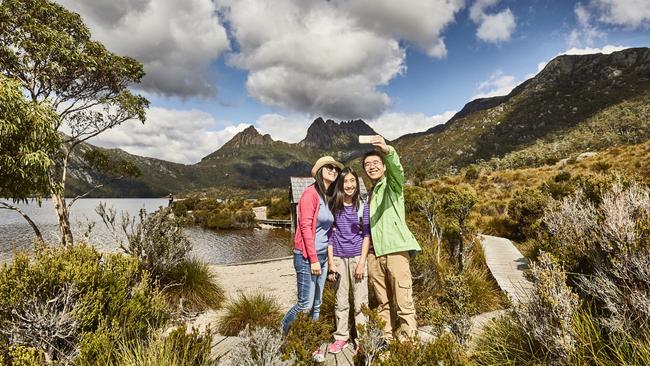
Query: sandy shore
x,y
275,277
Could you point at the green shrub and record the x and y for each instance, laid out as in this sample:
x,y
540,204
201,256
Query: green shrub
x,y
109,291
472,173
600,166
279,208
179,348
505,342
256,310
562,176
22,356
304,336
193,284
526,209
156,240
444,350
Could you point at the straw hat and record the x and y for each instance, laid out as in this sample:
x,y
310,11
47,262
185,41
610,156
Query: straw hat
x,y
324,161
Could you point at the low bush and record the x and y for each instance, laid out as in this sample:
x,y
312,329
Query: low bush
x,y
67,296
156,240
179,348
526,209
193,287
304,336
444,350
258,347
253,311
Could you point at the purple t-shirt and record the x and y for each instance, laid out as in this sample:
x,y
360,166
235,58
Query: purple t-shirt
x,y
347,236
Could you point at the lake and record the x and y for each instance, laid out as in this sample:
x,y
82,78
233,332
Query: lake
x,y
216,247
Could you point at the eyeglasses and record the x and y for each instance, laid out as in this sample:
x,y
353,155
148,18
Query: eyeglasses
x,y
373,164
331,167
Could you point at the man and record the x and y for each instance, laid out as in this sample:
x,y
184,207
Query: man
x,y
392,241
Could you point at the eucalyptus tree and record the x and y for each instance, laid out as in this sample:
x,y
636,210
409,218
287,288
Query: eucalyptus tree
x,y
49,50
28,145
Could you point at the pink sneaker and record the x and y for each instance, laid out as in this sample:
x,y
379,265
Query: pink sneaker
x,y
337,346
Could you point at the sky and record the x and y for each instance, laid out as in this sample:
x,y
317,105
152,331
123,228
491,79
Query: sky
x,y
215,67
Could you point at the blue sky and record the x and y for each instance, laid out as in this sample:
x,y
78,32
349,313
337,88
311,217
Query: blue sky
x,y
215,67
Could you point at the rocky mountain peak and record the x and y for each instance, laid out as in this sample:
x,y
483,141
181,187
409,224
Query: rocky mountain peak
x,y
328,134
249,136
594,68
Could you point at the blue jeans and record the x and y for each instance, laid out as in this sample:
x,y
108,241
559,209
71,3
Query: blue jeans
x,y
310,289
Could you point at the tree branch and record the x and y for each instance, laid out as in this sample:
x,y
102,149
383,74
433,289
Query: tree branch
x,y
7,206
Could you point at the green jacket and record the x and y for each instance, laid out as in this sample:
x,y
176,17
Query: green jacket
x,y
388,228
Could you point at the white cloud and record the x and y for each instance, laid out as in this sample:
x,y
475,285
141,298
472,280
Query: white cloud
x,y
181,136
587,33
330,57
292,128
393,125
493,28
416,21
498,84
590,50
628,13
175,40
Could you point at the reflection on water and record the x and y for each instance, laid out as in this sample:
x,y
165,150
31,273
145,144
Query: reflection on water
x,y
214,247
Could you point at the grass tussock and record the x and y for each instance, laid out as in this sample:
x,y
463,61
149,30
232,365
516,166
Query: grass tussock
x,y
253,311
179,348
193,287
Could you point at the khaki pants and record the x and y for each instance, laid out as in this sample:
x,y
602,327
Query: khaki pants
x,y
390,277
346,268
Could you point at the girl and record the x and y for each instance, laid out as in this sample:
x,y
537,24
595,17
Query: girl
x,y
346,254
310,243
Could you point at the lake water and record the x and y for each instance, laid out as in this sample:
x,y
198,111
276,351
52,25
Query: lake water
x,y
216,247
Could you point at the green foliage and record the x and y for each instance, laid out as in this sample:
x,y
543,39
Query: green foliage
x,y
106,164
213,214
279,208
48,49
526,209
192,285
22,356
472,173
304,336
113,296
28,144
156,240
443,350
505,342
179,348
254,310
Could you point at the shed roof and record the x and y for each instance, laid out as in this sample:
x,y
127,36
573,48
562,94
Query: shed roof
x,y
299,184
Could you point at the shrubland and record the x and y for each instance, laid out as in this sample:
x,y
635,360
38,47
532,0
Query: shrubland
x,y
74,305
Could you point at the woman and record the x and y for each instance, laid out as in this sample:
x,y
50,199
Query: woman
x,y
347,254
310,243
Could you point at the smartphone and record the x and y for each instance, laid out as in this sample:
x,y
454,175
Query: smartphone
x,y
365,139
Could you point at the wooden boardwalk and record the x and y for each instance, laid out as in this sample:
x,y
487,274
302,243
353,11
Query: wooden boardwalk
x,y
507,266
505,262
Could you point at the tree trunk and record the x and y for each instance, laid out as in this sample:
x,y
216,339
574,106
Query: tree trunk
x,y
63,215
31,223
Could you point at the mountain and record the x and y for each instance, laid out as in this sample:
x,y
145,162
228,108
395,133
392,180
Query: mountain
x,y
325,135
253,160
575,104
249,160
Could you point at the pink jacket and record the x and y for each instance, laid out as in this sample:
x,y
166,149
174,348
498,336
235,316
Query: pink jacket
x,y
307,218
